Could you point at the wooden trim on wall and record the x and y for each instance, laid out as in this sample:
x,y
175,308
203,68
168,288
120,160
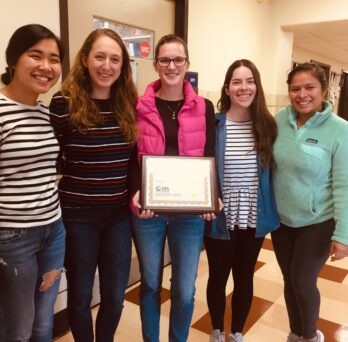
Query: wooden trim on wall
x,y
342,110
181,18
64,35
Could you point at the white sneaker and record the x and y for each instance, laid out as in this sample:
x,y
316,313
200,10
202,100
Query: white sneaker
x,y
320,336
341,334
217,336
236,337
293,337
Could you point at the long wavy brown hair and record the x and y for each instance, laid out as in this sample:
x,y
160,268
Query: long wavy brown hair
x,y
83,112
264,126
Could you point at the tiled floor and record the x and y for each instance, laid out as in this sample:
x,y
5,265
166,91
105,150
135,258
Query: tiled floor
x,y
267,320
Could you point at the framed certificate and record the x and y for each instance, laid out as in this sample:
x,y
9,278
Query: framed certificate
x,y
185,185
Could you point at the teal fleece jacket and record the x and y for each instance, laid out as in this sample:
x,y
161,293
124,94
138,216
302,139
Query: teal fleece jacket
x,y
311,175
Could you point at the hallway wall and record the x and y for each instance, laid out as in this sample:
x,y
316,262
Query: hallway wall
x,y
225,30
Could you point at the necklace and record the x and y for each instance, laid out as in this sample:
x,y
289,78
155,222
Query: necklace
x,y
173,112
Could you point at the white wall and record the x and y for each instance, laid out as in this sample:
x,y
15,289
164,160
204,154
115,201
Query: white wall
x,y
296,12
17,13
224,30
302,55
292,12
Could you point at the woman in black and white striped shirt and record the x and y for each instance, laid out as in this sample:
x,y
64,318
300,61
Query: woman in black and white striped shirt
x,y
32,236
245,135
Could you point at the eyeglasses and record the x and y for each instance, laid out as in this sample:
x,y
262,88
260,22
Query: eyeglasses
x,y
178,61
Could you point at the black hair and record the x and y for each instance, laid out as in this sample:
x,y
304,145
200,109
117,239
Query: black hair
x,y
23,39
314,69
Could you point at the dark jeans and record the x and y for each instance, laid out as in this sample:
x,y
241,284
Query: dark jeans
x,y
238,254
301,254
27,257
96,237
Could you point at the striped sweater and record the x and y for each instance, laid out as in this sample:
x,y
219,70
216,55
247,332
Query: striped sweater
x,y
240,186
95,163
28,153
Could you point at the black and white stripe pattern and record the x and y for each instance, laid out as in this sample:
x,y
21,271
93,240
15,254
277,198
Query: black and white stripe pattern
x,y
240,176
28,153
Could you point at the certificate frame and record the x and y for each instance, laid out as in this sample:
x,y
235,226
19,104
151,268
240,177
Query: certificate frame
x,y
179,185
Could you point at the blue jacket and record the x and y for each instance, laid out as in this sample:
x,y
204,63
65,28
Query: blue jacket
x,y
267,215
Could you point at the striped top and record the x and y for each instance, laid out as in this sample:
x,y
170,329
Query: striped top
x,y
95,163
28,153
240,176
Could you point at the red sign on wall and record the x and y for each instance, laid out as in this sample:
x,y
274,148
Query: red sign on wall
x,y
144,48
138,41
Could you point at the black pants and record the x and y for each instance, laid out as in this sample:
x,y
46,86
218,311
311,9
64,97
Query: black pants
x,y
301,254
238,254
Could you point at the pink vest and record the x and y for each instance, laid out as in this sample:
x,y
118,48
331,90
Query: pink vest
x,y
192,123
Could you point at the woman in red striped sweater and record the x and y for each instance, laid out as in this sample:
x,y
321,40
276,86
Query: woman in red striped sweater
x,y
94,118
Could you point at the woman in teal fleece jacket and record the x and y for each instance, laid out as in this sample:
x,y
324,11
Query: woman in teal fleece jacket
x,y
311,188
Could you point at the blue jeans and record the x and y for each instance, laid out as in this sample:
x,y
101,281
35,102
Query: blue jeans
x,y
185,238
31,262
96,237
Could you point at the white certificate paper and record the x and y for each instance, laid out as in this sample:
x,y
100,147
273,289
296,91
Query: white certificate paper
x,y
179,183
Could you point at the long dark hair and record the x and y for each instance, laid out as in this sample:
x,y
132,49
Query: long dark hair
x,y
22,40
83,112
263,124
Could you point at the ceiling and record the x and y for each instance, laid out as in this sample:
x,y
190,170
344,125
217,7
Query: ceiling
x,y
327,38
